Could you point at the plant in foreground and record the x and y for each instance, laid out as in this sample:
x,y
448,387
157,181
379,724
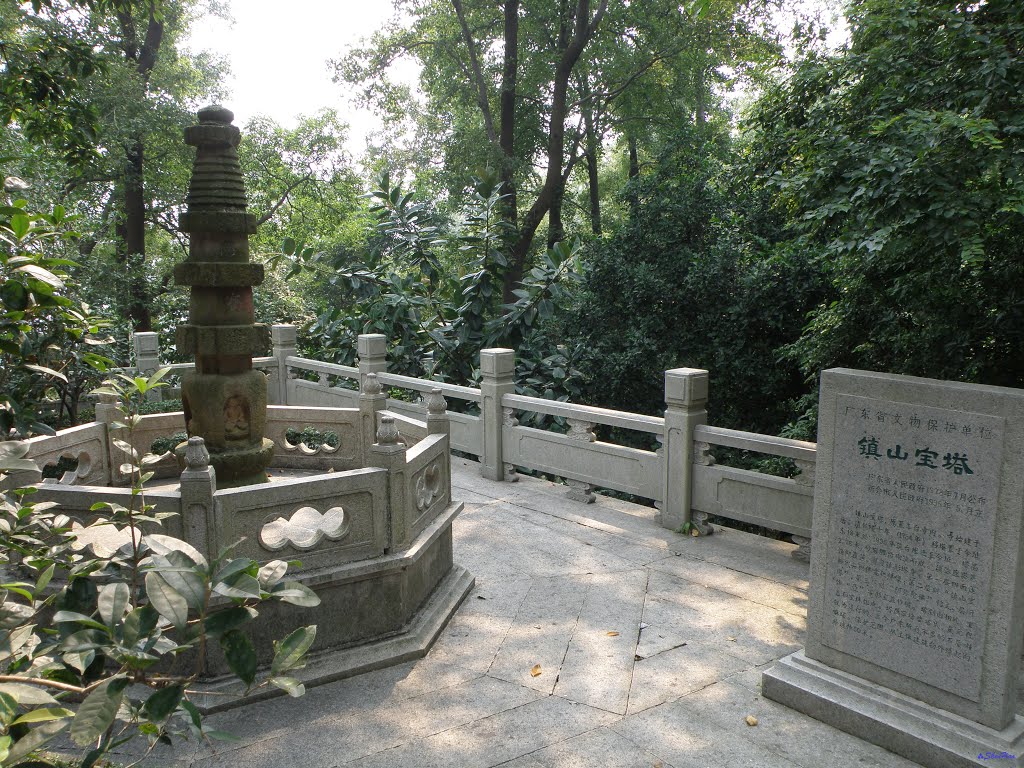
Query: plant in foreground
x,y
103,629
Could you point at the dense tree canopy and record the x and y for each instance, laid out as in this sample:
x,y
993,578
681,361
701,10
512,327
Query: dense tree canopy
x,y
572,180
899,161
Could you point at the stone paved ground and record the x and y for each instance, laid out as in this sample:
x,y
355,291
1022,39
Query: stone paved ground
x,y
649,647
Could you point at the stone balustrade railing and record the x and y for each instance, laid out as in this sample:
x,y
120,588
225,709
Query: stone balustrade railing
x,y
681,477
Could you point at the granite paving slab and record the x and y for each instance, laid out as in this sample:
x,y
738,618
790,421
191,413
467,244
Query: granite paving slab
x,y
650,648
532,651
495,739
600,747
742,584
680,671
598,664
330,737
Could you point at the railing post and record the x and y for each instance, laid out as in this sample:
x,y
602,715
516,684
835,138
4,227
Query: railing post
x,y
372,349
686,396
497,367
147,352
108,410
584,432
198,484
390,454
437,414
806,479
283,339
372,400
147,357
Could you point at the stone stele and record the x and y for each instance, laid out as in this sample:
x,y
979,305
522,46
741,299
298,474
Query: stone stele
x,y
225,400
914,623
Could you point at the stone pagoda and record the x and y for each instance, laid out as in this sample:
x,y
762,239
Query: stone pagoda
x,y
225,400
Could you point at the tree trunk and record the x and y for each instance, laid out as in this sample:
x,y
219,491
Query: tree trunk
x,y
482,99
553,180
700,116
591,155
634,171
509,74
134,233
556,227
132,228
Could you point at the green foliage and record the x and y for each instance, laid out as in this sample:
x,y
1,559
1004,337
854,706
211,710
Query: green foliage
x,y
103,641
301,186
44,62
163,445
900,163
44,335
130,174
695,279
429,285
311,437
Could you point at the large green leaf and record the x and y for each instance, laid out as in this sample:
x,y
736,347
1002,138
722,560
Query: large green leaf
x,y
44,275
288,653
272,572
112,602
194,714
79,660
61,617
13,641
84,640
167,601
139,624
160,705
166,545
296,593
19,225
242,586
44,714
47,371
8,708
219,622
289,685
233,568
26,694
14,296
44,578
33,740
240,655
178,571
98,711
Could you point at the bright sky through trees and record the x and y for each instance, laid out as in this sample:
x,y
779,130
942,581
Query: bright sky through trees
x,y
279,59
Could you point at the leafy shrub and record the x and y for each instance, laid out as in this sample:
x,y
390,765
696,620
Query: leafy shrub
x,y
104,640
695,279
429,285
49,341
312,437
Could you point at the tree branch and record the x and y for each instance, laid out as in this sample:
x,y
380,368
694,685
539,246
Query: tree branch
x,y
56,684
284,197
151,43
88,243
478,75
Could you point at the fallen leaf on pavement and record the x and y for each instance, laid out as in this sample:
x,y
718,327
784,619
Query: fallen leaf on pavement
x,y
535,671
